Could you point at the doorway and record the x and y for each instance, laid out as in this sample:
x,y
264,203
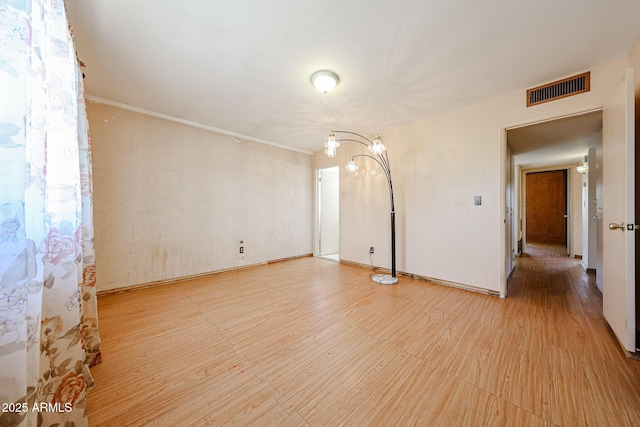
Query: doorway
x,y
558,145
329,213
614,133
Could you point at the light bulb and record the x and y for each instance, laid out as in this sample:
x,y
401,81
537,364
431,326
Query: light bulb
x,y
330,152
351,166
331,145
377,147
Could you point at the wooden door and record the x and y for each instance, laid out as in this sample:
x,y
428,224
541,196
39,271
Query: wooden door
x,y
546,212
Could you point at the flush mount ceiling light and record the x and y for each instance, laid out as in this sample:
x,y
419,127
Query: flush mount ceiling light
x,y
325,80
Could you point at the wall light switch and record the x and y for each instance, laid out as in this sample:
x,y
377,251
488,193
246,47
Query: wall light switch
x,y
477,200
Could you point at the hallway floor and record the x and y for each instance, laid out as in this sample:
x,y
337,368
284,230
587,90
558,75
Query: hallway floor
x,y
545,276
582,351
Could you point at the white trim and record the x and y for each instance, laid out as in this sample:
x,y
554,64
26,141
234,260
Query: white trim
x,y
503,203
233,135
566,166
551,118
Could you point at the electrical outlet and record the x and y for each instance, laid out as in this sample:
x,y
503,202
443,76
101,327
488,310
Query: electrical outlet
x,y
241,249
371,250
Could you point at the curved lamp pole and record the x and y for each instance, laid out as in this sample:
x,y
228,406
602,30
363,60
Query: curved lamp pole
x,y
379,155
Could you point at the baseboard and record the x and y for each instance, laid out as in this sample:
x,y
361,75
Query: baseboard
x,y
456,285
629,354
633,356
192,277
273,261
427,279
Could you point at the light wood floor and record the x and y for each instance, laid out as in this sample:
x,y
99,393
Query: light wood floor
x,y
314,342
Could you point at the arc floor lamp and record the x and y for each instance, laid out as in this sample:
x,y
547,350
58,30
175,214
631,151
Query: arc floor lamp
x,y
380,156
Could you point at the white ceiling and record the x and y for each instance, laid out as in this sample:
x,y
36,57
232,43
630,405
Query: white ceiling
x,y
555,143
243,66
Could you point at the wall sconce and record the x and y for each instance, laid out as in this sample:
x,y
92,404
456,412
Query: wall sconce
x,y
584,167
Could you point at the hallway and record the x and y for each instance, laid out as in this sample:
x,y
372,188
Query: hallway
x,y
546,277
579,345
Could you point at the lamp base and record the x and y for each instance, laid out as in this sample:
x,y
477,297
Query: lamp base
x,y
384,279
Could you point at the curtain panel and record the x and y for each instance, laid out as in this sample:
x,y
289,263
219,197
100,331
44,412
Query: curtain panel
x,y
48,310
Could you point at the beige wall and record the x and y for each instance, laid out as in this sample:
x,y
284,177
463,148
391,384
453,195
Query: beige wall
x,y
173,200
439,164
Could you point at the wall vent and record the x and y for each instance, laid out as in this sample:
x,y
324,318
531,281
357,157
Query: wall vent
x,y
559,89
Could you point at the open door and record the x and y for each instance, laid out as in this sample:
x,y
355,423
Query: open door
x,y
329,211
619,212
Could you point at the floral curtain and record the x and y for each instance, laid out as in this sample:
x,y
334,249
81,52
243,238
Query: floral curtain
x,y
48,312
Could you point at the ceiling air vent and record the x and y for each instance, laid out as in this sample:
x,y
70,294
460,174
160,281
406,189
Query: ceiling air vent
x,y
560,89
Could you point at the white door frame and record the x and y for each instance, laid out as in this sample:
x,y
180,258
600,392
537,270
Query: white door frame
x,y
520,190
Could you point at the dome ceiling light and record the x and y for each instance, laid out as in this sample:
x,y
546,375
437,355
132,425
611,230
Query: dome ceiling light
x,y
325,80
